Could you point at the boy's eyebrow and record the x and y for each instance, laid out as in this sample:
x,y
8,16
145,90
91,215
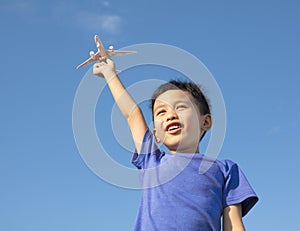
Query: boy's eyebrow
x,y
159,106
163,104
183,101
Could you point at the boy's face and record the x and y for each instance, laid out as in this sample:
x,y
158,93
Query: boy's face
x,y
178,122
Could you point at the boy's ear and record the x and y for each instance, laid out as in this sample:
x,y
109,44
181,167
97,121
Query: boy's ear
x,y
207,122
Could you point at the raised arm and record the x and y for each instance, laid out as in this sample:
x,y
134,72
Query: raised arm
x,y
232,218
127,105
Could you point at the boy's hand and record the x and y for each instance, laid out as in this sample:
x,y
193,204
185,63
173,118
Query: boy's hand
x,y
105,69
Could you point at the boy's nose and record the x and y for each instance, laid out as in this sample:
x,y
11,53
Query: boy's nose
x,y
172,115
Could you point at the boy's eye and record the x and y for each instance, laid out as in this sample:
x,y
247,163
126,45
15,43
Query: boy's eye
x,y
181,107
160,112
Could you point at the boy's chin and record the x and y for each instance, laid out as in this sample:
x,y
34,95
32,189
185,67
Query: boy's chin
x,y
182,149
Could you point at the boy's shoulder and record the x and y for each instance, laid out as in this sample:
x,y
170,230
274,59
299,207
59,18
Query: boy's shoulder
x,y
215,164
228,167
224,165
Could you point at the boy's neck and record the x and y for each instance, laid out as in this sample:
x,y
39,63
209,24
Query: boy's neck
x,y
186,152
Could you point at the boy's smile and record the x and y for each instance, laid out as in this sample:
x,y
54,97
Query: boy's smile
x,y
177,121
173,127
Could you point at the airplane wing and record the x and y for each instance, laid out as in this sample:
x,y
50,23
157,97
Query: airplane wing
x,y
116,53
88,61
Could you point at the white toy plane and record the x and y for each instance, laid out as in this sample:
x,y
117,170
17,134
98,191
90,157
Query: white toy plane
x,y
102,54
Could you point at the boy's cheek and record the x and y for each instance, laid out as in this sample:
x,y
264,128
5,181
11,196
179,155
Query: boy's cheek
x,y
158,124
158,128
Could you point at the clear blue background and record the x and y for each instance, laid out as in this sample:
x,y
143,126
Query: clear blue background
x,y
252,49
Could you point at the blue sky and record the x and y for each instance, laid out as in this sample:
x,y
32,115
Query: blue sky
x,y
251,48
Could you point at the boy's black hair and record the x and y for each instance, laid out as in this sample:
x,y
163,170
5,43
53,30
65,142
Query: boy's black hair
x,y
194,89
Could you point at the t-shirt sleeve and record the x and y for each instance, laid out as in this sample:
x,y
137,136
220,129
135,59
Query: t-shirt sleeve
x,y
150,155
237,188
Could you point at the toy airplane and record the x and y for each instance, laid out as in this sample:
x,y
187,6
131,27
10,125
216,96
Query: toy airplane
x,y
102,54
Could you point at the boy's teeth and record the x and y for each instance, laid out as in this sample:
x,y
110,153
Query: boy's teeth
x,y
173,127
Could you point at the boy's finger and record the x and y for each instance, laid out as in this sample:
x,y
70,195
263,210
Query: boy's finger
x,y
108,60
96,65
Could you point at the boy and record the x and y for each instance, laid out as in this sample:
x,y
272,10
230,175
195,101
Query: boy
x,y
175,195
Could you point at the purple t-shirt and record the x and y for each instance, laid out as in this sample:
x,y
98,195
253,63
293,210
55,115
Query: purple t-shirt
x,y
176,196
